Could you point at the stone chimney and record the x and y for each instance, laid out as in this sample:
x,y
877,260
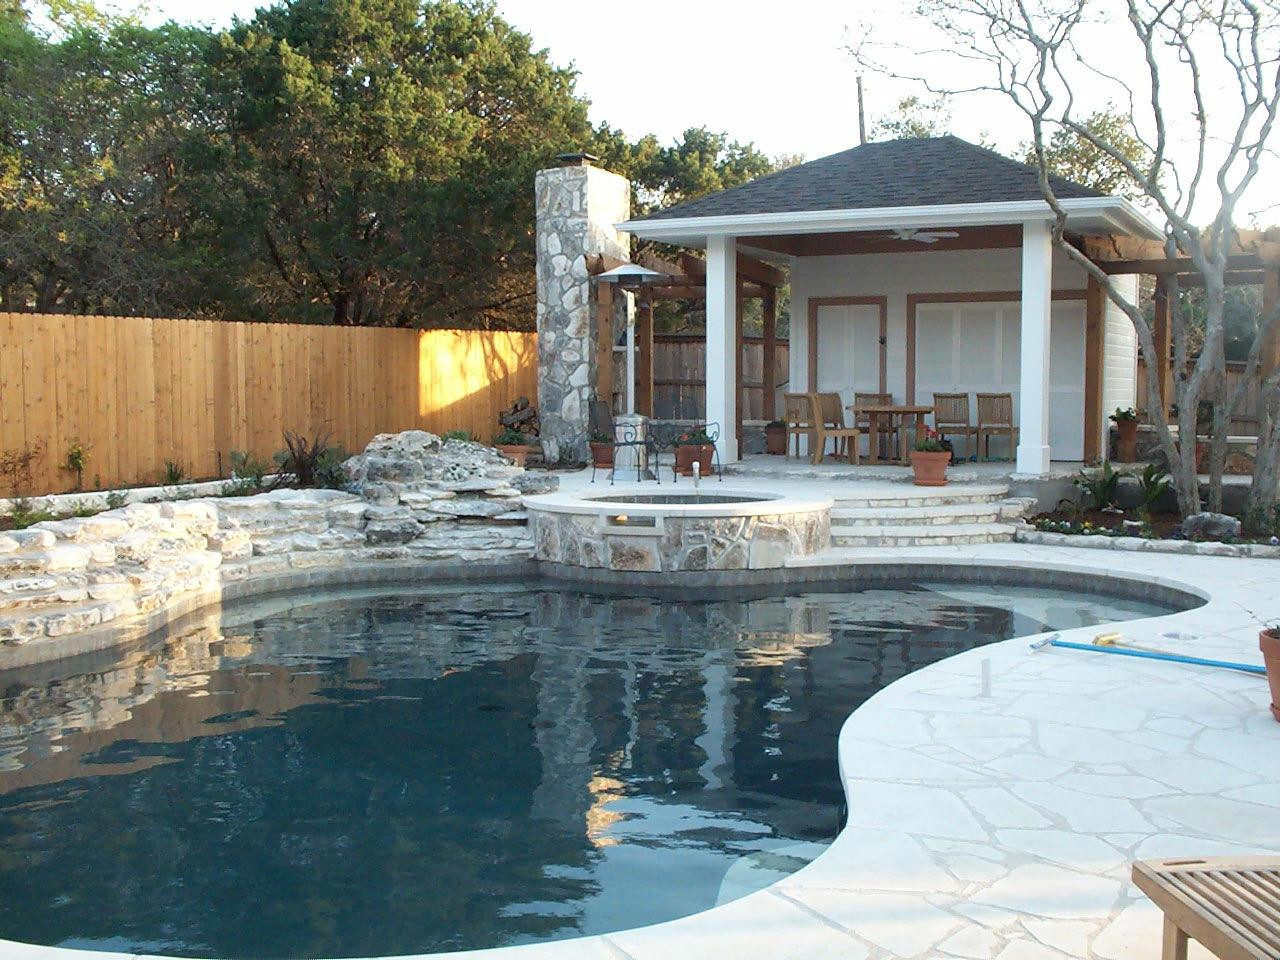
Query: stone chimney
x,y
577,205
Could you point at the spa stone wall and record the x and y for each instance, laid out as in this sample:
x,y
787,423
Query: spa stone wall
x,y
679,543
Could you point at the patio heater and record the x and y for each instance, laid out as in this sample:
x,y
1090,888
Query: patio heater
x,y
631,276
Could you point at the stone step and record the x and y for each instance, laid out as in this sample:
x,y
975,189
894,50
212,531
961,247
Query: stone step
x,y
913,496
913,535
928,516
932,515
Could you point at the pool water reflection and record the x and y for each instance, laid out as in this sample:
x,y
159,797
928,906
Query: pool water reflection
x,y
366,774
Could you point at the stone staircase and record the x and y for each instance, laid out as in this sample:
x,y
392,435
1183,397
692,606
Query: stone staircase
x,y
923,517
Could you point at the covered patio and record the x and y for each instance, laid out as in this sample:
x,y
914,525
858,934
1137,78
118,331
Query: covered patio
x,y
926,267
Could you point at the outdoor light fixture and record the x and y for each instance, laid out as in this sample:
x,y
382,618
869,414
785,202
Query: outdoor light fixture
x,y
632,275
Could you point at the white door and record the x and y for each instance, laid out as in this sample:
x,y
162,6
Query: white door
x,y
975,348
848,350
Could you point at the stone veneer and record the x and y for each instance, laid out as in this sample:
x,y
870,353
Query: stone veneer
x,y
412,499
577,207
751,542
1097,541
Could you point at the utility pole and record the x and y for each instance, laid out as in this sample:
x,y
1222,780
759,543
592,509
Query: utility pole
x,y
862,117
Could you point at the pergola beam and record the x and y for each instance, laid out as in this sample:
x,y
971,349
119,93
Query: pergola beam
x,y
1241,263
1252,249
749,268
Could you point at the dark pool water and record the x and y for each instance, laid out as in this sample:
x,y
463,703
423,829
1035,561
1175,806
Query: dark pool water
x,y
374,774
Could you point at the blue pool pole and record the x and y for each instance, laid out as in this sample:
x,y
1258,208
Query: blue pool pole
x,y
1148,655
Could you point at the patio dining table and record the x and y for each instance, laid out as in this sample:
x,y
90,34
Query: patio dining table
x,y
896,417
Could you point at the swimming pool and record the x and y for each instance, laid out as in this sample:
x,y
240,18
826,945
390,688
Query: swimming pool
x,y
398,771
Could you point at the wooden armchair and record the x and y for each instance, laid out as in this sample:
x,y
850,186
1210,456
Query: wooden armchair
x,y
828,423
797,413
995,418
951,418
878,429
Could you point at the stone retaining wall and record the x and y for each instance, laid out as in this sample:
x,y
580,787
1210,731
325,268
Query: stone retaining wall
x,y
1029,534
412,498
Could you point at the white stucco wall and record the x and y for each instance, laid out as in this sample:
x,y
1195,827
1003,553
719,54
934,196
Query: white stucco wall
x,y
894,276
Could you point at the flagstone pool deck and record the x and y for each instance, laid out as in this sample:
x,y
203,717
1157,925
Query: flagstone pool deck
x,y
1001,822
998,817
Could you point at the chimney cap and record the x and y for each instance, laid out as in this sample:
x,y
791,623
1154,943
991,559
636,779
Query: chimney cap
x,y
578,158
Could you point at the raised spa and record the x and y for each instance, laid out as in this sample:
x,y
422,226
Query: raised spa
x,y
639,529
370,773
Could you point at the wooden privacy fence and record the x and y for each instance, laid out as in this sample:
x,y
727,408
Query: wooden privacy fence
x,y
1245,421
139,391
679,376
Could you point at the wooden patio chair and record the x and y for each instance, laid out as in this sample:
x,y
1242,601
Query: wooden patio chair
x,y
797,413
995,418
1229,905
828,423
880,426
951,418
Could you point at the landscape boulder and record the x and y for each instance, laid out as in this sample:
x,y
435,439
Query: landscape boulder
x,y
1210,526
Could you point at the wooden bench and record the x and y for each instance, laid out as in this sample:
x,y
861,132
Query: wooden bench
x,y
1230,905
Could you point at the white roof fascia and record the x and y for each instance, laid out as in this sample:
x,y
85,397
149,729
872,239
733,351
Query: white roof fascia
x,y
1114,210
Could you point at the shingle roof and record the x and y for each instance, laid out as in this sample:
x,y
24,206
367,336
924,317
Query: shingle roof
x,y
925,171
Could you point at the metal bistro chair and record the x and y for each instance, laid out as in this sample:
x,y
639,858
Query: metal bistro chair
x,y
877,429
828,421
995,418
797,413
951,418
600,422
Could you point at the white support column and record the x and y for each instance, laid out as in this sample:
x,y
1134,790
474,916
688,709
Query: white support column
x,y
722,344
1037,291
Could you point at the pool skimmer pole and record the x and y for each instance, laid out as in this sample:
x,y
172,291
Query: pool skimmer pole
x,y
1108,645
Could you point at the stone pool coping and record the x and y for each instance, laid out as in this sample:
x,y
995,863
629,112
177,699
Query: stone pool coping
x,y
998,796
589,503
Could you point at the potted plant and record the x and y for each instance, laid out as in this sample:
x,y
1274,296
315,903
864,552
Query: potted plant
x,y
1126,421
601,450
929,459
695,446
1269,641
775,437
514,445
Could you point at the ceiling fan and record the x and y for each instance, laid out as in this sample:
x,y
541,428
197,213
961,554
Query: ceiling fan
x,y
920,236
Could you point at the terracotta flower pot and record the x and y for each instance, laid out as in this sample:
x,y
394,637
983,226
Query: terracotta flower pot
x,y
515,451
1269,641
687,454
930,469
775,440
602,455
1126,440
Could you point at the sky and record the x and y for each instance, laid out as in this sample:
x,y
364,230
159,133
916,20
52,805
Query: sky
x,y
775,74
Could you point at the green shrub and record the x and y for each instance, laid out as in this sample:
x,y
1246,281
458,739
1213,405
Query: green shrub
x,y
24,516
1100,488
174,473
1153,483
509,437
248,474
457,435
77,459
